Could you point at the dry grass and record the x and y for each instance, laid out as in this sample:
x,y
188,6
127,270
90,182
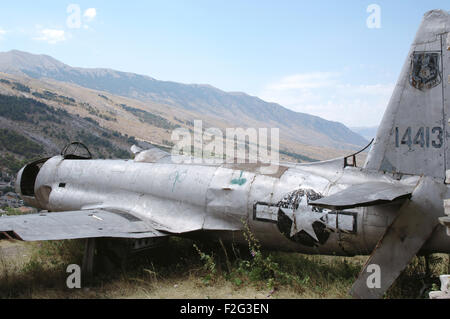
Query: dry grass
x,y
33,270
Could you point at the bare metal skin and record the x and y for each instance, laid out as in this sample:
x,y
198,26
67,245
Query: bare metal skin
x,y
183,198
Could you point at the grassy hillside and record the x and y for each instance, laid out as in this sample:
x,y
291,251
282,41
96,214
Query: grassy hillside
x,y
33,129
51,115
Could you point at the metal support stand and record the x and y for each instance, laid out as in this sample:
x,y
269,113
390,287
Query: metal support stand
x,y
87,268
402,240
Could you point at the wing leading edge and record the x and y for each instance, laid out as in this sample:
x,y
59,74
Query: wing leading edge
x,y
76,224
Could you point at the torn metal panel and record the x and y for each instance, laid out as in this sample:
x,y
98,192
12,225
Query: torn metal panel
x,y
367,194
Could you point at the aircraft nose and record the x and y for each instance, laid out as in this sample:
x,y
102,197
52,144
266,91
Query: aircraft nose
x,y
26,182
18,182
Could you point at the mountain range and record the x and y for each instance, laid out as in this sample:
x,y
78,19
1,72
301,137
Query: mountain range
x,y
368,132
233,109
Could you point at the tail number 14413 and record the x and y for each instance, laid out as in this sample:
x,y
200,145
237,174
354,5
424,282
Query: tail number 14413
x,y
423,137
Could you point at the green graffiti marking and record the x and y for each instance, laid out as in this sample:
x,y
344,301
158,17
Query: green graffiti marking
x,y
175,180
177,177
239,181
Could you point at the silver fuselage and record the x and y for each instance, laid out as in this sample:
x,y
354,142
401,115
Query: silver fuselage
x,y
217,200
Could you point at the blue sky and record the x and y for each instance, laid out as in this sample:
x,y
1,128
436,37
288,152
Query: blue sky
x,y
318,57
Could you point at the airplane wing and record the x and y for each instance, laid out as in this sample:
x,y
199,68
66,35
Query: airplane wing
x,y
75,224
367,194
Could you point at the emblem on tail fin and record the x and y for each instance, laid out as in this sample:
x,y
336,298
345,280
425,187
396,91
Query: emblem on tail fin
x,y
425,73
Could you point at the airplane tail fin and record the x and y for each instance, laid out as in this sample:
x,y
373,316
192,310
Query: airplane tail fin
x,y
414,135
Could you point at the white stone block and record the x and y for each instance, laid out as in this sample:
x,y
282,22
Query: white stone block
x,y
445,283
445,289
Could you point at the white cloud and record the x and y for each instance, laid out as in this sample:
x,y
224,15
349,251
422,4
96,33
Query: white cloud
x,y
51,36
325,94
90,14
305,81
2,33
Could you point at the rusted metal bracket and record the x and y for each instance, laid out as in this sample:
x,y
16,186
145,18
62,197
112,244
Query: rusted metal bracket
x,y
353,156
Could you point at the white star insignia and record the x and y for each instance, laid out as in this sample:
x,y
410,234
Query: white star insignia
x,y
303,218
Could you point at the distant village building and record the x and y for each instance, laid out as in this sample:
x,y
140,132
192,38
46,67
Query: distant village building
x,y
4,184
8,198
12,195
6,201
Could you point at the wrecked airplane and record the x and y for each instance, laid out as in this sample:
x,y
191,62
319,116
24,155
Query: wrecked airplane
x,y
388,209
